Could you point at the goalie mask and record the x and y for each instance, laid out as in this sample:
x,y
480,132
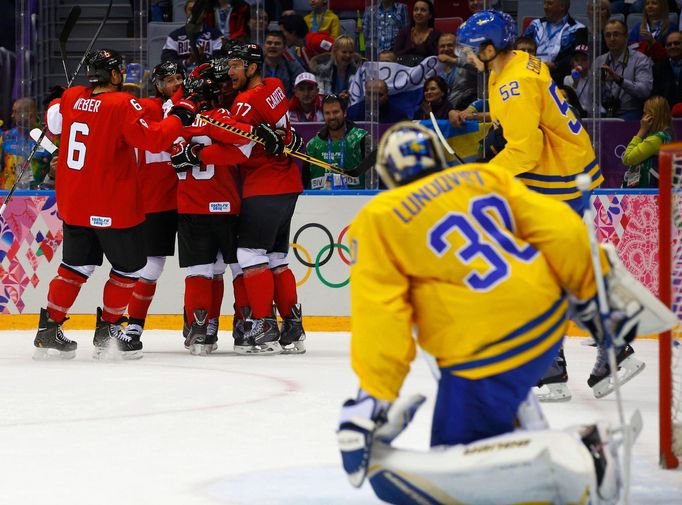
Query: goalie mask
x,y
407,152
99,65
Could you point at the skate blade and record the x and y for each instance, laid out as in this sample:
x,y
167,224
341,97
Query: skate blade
x,y
267,349
297,347
555,392
627,369
112,354
202,349
42,354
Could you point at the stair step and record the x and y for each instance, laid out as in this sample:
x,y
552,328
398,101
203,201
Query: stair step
x,y
96,11
113,28
120,44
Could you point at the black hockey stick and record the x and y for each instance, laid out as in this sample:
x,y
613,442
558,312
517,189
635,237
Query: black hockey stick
x,y
64,36
44,130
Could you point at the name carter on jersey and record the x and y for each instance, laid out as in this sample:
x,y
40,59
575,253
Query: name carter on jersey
x,y
275,98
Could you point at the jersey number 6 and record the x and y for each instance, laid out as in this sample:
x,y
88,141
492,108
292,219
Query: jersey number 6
x,y
75,157
492,214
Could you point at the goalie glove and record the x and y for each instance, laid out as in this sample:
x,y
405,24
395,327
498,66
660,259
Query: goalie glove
x,y
274,144
186,156
185,110
358,422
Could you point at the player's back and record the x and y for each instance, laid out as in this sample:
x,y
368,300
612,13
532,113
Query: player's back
x,y
472,279
97,182
524,95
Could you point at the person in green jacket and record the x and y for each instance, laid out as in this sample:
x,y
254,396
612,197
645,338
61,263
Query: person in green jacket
x,y
641,154
340,143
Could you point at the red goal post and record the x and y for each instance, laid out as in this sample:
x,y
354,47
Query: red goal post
x,y
670,293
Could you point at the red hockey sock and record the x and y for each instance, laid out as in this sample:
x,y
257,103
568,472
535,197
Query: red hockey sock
x,y
217,292
64,289
285,290
240,297
198,295
141,299
117,292
260,288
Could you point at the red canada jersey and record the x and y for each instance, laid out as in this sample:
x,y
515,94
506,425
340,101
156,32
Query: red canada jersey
x,y
262,173
97,180
209,188
157,176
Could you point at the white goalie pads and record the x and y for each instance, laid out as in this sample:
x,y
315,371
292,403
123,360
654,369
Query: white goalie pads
x,y
627,295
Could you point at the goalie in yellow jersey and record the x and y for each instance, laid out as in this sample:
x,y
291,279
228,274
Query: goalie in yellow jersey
x,y
476,262
546,149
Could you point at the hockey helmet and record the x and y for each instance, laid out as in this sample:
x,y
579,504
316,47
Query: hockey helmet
x,y
407,152
99,65
166,69
248,53
483,28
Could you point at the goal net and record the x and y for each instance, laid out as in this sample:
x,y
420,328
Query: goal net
x,y
670,293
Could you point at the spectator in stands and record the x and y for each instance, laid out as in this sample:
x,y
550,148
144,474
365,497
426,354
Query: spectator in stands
x,y
668,72
388,57
376,91
258,25
276,8
571,98
420,39
641,154
460,76
277,65
388,18
178,48
321,19
294,28
556,35
341,143
306,106
650,34
598,23
435,99
526,44
232,19
16,145
580,79
626,74
334,70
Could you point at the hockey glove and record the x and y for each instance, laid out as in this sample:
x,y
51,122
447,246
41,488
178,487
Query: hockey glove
x,y
359,420
185,156
274,144
292,141
617,323
185,110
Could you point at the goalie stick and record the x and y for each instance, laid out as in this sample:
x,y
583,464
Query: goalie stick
x,y
70,80
251,136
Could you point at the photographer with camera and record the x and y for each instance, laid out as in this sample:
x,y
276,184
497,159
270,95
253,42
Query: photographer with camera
x,y
626,74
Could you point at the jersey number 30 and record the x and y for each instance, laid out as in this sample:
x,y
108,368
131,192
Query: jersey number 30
x,y
481,212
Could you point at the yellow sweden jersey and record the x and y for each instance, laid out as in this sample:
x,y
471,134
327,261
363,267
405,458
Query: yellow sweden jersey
x,y
546,145
474,259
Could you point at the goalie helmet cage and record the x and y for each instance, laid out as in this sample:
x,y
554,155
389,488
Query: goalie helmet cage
x,y
670,293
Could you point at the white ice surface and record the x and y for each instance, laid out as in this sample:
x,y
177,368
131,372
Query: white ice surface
x,y
226,429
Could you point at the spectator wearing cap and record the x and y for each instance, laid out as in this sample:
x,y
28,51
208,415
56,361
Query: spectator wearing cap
x,y
387,18
306,106
321,19
278,63
335,69
580,78
649,35
668,72
460,76
376,91
556,34
420,38
339,142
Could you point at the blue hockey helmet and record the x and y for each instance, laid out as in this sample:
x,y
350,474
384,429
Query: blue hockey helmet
x,y
486,27
407,152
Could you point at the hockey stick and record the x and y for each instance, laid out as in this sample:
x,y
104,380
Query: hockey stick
x,y
441,137
45,143
27,162
254,138
64,36
583,182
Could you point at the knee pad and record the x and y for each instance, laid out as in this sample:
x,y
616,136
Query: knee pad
x,y
236,270
277,259
219,266
251,257
201,271
152,270
85,270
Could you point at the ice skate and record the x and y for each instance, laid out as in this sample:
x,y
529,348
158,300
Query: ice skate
x,y
553,387
293,335
261,335
196,338
50,341
112,342
212,333
600,379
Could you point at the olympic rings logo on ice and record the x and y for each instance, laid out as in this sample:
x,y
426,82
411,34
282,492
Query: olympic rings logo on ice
x,y
321,257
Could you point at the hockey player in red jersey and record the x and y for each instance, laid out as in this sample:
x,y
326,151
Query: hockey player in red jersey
x,y
159,189
100,202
